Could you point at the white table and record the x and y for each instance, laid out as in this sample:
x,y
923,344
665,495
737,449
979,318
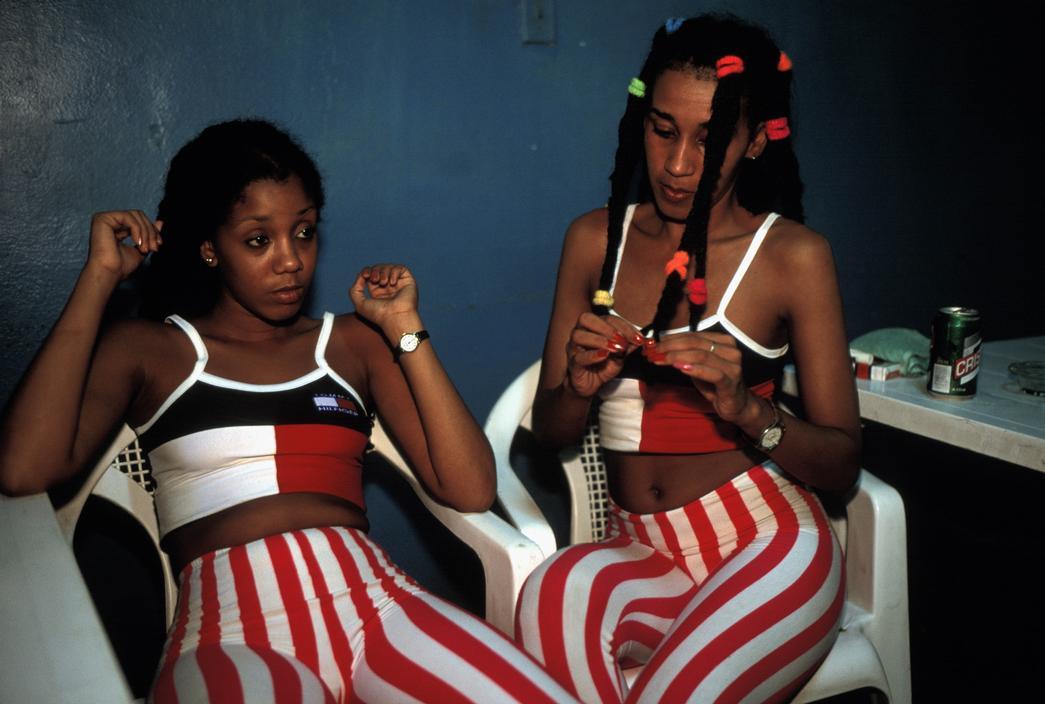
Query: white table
x,y
1000,421
53,647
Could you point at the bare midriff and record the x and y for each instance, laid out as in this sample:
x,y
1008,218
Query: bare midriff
x,y
256,519
647,483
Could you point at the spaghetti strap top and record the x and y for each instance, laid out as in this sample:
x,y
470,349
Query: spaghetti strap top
x,y
653,409
215,443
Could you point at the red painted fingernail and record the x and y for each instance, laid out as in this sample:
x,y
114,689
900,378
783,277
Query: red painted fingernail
x,y
684,366
602,354
649,341
655,356
619,339
638,339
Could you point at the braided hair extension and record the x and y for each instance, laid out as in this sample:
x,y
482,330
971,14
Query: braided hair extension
x,y
205,180
630,154
758,84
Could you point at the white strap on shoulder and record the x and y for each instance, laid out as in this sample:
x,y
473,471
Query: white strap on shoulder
x,y
321,359
186,384
628,214
194,337
749,256
324,339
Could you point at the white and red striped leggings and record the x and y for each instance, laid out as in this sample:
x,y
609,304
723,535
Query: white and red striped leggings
x,y
321,615
733,597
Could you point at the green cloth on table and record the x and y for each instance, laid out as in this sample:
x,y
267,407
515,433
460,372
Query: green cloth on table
x,y
908,347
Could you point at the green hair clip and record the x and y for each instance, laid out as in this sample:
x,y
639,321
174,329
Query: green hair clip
x,y
637,88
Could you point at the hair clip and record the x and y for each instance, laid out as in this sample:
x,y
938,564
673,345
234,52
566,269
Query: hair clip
x,y
637,88
673,23
729,64
697,289
777,128
678,263
784,64
602,297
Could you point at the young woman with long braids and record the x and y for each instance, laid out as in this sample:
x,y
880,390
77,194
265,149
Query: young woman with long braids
x,y
719,568
255,418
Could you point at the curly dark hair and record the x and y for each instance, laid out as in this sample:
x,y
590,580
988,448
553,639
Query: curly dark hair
x,y
205,180
761,92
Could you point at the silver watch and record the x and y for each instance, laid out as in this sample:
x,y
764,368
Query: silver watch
x,y
410,341
773,434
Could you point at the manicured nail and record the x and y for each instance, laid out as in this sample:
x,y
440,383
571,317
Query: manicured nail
x,y
619,339
684,366
602,354
655,356
638,339
649,341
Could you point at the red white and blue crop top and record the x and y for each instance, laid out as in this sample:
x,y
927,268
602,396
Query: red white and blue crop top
x,y
216,443
653,409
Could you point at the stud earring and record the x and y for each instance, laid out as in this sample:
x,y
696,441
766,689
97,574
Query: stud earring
x,y
208,260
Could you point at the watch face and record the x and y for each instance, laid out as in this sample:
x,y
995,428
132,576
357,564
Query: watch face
x,y
772,437
408,342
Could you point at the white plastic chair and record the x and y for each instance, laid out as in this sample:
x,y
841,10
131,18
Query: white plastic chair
x,y
122,478
873,647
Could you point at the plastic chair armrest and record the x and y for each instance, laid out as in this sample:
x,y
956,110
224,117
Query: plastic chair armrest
x,y
506,554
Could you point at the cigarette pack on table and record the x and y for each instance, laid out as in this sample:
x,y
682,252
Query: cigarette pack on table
x,y
866,366
881,371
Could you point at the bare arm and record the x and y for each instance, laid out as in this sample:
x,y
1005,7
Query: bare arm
x,y
581,351
824,449
76,388
416,400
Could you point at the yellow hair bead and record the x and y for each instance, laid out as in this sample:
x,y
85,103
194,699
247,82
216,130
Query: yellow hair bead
x,y
602,298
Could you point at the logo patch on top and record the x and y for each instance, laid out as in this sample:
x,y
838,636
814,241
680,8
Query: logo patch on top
x,y
335,403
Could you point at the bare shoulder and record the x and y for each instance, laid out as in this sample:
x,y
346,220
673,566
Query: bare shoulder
x,y
798,250
588,231
355,344
139,339
584,246
353,330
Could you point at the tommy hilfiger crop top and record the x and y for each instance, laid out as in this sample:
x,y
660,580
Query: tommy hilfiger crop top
x,y
216,443
653,409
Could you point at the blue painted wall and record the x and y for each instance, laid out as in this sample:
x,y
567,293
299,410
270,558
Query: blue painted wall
x,y
448,144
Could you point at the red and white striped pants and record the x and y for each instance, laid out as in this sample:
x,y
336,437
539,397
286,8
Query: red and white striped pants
x,y
322,615
733,597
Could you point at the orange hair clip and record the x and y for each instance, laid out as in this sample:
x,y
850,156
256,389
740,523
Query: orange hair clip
x,y
784,64
678,263
777,128
729,64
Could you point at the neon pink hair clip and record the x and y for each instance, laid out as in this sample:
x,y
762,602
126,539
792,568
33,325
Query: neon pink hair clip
x,y
697,290
777,128
728,65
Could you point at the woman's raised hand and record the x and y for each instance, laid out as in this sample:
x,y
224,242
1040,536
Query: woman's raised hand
x,y
120,240
382,292
596,351
712,361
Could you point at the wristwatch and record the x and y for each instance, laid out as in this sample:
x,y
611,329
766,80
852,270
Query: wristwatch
x,y
409,342
773,434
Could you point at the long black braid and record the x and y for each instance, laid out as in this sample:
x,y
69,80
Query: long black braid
x,y
768,183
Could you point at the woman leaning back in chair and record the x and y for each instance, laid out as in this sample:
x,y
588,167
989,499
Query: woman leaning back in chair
x,y
719,567
255,418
